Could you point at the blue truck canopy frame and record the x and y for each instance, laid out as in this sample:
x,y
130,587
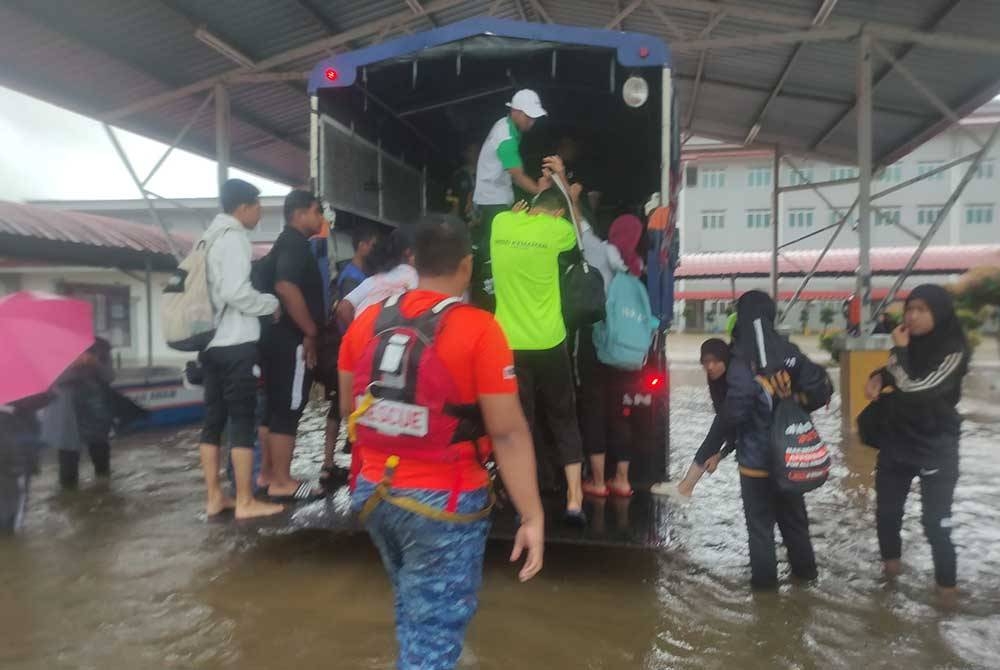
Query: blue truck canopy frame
x,y
633,49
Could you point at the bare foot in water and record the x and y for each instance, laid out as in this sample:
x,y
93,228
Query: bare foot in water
x,y
219,504
892,568
256,509
947,597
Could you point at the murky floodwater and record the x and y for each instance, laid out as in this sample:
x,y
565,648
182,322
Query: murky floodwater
x,y
128,577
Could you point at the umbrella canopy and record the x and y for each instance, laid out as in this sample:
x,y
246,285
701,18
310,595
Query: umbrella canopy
x,y
41,335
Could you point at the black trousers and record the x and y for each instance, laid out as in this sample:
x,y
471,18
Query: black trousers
x,y
481,292
764,504
230,394
937,493
69,463
606,420
545,381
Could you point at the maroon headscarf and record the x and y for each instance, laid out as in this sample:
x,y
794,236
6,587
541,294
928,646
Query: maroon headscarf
x,y
625,233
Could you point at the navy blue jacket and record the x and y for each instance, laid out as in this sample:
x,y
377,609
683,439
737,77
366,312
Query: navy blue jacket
x,y
747,409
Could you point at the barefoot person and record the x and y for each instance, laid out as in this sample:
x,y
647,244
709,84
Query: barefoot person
x,y
437,388
929,359
289,355
230,359
715,361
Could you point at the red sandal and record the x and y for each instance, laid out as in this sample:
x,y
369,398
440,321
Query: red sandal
x,y
620,492
595,491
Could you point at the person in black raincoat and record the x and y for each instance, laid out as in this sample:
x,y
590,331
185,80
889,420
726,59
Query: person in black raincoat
x,y
747,415
715,361
919,427
20,445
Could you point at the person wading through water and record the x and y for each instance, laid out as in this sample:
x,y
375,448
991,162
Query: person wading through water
x,y
437,392
759,351
923,383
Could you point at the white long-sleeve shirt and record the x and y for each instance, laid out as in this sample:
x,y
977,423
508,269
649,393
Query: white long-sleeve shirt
x,y
601,255
234,297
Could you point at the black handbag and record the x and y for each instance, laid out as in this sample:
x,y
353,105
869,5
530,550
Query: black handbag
x,y
875,421
581,287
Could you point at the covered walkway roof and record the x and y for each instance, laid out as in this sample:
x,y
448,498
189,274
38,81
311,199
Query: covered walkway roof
x,y
768,72
33,233
939,260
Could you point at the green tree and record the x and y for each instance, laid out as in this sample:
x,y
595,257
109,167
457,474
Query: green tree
x,y
826,317
804,316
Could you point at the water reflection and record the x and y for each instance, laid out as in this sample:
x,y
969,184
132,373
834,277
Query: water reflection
x,y
128,577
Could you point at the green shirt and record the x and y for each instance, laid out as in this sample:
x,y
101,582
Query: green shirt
x,y
525,249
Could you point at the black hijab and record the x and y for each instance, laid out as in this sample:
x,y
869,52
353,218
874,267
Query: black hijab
x,y
718,350
927,352
755,339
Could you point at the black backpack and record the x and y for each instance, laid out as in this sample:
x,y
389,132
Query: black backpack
x,y
800,458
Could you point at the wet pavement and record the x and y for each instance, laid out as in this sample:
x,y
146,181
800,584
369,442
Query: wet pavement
x,y
129,575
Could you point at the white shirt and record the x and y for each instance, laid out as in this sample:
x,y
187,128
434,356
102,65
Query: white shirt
x,y
493,183
234,297
382,286
601,255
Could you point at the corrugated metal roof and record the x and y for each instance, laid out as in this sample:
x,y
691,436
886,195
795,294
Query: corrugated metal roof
x,y
44,233
884,260
98,56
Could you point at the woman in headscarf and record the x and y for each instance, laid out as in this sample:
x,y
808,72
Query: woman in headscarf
x,y
606,420
923,381
715,361
759,351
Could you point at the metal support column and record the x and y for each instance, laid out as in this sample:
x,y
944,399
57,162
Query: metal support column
x,y
864,115
314,148
423,191
222,135
149,314
775,220
138,184
942,215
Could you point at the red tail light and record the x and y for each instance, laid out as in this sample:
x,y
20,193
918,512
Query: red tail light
x,y
654,381
331,74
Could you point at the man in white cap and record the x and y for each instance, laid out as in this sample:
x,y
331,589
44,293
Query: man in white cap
x,y
499,168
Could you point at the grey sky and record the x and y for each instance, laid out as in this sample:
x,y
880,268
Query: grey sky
x,y
47,152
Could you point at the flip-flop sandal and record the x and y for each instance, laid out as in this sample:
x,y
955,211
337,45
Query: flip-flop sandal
x,y
333,477
305,493
620,492
593,490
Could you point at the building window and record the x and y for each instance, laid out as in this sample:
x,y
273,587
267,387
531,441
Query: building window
x,y
841,172
804,175
923,167
714,220
836,215
888,216
928,214
691,176
759,177
985,170
891,173
979,214
714,178
800,218
758,218
112,310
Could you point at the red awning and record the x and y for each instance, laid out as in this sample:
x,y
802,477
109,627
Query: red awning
x,y
830,295
885,261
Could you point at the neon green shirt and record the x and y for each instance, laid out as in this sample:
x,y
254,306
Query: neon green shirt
x,y
525,249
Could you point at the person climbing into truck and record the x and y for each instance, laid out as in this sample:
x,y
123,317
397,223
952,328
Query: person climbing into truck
x,y
499,169
525,247
436,393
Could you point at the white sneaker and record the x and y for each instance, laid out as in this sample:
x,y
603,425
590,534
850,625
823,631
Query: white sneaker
x,y
663,489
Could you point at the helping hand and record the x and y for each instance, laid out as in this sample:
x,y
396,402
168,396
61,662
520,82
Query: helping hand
x,y
713,463
555,164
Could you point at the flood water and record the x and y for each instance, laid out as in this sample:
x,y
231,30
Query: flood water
x,y
128,576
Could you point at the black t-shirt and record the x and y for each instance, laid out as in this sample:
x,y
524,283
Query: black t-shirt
x,y
294,262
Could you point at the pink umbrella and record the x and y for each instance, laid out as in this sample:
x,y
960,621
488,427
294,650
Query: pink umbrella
x,y
41,335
